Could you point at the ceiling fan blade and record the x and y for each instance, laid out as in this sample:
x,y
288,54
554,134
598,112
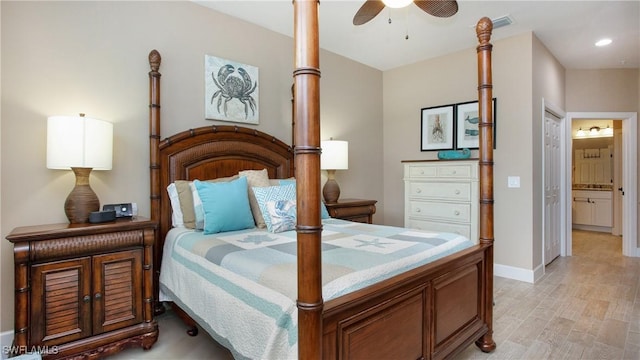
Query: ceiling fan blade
x,y
438,8
368,11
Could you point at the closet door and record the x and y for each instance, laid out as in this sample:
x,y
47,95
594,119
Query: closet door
x,y
552,174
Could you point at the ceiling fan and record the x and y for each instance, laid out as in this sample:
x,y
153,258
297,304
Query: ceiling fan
x,y
371,8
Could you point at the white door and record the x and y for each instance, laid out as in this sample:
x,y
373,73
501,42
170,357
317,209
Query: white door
x,y
617,183
552,174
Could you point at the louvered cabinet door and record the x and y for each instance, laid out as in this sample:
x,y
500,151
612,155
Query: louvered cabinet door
x,y
117,298
61,306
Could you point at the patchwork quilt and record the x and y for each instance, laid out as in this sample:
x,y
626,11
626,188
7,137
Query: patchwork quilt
x,y
241,286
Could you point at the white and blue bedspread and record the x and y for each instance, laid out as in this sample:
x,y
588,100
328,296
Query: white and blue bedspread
x,y
241,286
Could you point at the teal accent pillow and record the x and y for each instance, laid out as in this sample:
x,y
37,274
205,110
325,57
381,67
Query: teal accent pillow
x,y
226,205
324,214
276,198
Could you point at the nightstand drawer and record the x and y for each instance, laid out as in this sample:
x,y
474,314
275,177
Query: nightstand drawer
x,y
441,190
441,210
353,209
347,212
460,229
67,247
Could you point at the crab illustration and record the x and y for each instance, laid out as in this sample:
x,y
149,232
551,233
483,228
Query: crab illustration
x,y
236,87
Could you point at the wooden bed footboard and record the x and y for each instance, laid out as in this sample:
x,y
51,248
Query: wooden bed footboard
x,y
433,312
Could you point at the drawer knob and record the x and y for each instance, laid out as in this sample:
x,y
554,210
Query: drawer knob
x,y
417,210
456,212
86,298
457,192
418,190
98,296
453,172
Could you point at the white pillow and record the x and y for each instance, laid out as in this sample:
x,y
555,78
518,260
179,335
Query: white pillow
x,y
176,212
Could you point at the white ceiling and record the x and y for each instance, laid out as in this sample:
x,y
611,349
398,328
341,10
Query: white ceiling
x,y
568,29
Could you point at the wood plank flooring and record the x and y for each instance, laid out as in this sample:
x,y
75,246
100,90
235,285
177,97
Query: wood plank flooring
x,y
585,307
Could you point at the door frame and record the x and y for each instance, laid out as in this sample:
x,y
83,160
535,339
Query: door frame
x,y
629,176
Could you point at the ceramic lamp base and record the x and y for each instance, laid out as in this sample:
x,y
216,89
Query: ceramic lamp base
x,y
331,190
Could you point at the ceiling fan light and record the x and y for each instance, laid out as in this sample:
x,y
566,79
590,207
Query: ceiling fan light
x,y
397,3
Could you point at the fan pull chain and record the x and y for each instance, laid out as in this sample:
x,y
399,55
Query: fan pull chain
x,y
406,37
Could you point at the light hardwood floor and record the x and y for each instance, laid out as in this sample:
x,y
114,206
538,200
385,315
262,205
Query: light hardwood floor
x,y
585,307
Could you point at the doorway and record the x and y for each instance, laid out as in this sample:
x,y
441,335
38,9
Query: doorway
x,y
629,180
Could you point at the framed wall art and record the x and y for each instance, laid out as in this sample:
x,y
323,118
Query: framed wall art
x,y
467,120
231,91
437,128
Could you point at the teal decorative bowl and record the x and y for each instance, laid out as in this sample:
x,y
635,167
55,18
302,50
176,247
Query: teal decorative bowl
x,y
454,154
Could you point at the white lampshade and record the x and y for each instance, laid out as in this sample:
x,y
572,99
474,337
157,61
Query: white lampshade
x,y
335,155
397,3
80,142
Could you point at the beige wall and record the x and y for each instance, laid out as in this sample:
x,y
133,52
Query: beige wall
x,y
91,57
602,90
406,90
548,90
608,90
452,79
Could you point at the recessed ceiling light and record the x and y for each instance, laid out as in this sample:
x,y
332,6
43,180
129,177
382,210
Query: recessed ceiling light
x,y
603,42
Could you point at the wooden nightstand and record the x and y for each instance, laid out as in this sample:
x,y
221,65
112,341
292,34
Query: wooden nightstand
x,y
84,290
353,209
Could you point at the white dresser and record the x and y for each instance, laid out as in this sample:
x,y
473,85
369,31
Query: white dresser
x,y
442,196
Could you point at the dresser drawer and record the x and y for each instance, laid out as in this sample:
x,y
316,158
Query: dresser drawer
x,y
441,210
441,190
461,170
460,229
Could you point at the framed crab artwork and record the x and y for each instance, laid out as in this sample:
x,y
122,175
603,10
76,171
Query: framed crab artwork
x,y
231,91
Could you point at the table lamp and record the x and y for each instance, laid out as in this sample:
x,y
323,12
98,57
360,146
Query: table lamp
x,y
335,156
81,144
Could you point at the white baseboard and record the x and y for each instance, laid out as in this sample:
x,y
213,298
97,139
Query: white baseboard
x,y
515,273
6,339
603,229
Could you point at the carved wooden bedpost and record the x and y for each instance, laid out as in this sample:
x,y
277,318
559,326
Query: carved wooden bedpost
x,y
154,164
485,95
307,160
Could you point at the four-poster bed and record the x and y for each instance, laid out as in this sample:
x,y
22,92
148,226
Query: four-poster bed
x,y
431,311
